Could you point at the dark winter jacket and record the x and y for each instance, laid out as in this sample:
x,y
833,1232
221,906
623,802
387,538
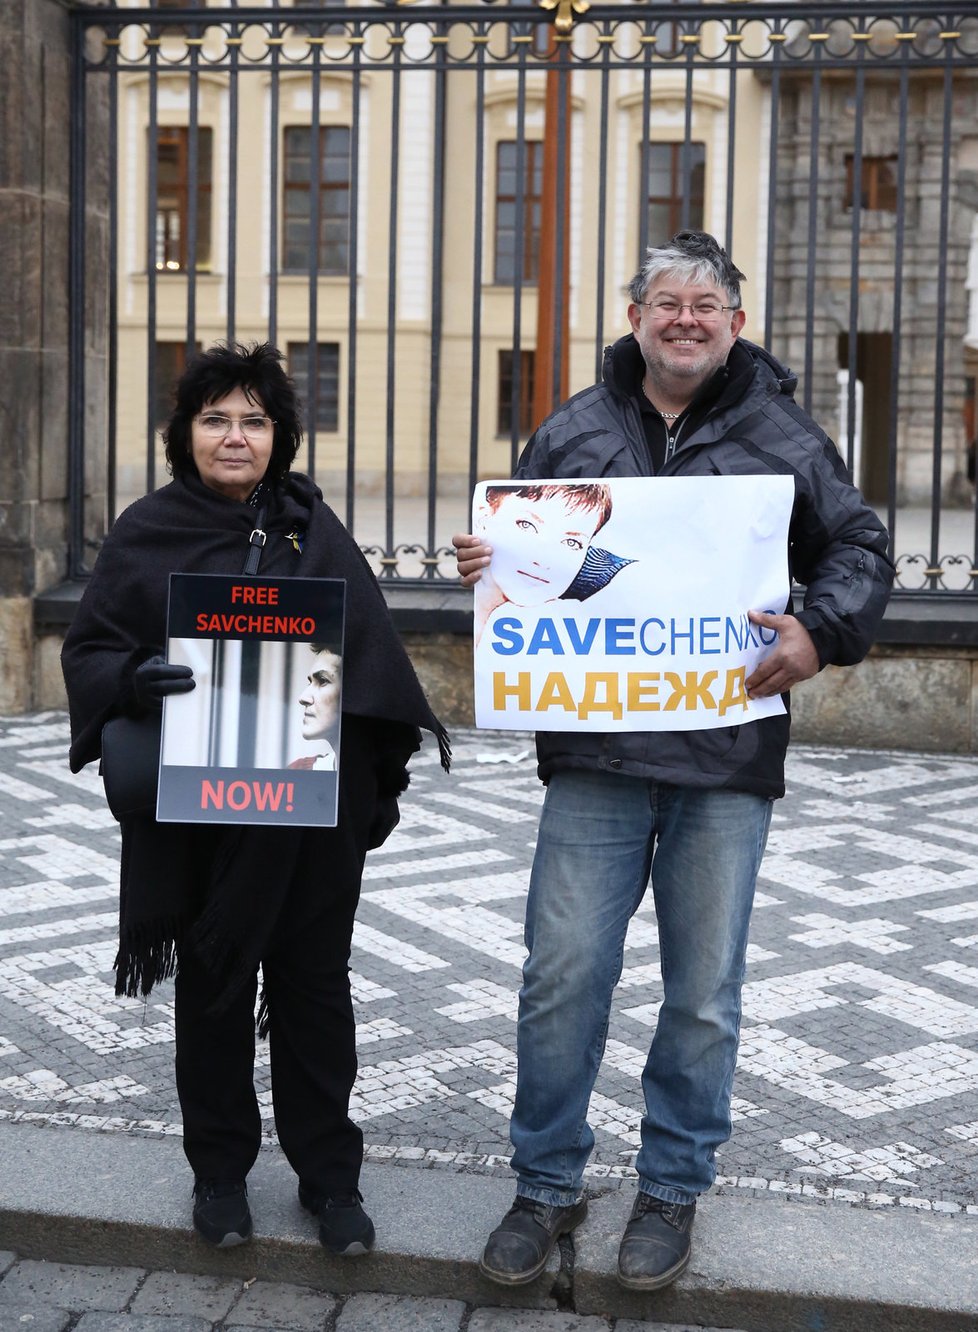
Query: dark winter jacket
x,y
837,545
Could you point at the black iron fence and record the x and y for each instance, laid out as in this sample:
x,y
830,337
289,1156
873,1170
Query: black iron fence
x,y
434,211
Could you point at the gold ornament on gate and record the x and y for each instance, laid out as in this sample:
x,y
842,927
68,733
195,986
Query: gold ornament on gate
x,y
566,9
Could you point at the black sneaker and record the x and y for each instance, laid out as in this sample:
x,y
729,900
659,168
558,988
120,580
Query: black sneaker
x,y
655,1246
221,1213
344,1227
518,1249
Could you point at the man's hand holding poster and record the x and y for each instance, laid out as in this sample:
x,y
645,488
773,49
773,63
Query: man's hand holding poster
x,y
258,739
623,605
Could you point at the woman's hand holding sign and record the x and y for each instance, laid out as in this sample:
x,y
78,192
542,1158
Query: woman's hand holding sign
x,y
793,660
155,678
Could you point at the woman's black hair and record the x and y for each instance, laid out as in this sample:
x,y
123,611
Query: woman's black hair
x,y
218,371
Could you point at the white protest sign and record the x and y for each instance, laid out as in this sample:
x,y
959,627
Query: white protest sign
x,y
622,604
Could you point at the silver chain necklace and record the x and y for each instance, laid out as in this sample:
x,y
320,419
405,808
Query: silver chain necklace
x,y
666,416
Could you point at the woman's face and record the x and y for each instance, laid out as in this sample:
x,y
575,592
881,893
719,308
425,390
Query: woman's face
x,y
231,442
539,546
321,697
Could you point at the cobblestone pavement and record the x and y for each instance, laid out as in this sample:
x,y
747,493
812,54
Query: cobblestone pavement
x,y
858,1069
53,1297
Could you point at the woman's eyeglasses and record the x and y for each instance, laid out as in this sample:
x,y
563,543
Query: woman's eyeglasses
x,y
219,425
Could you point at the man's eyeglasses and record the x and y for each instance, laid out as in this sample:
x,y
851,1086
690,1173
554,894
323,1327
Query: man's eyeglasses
x,y
219,425
704,311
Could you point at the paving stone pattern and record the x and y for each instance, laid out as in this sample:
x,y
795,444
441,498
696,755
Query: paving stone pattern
x,y
858,1070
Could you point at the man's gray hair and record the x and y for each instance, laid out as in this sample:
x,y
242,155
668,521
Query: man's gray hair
x,y
695,258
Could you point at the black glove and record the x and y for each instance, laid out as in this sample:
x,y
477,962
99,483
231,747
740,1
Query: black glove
x,y
155,678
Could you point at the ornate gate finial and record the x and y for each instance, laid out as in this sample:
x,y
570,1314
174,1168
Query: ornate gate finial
x,y
566,9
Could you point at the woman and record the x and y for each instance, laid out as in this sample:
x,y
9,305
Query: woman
x,y
319,702
210,903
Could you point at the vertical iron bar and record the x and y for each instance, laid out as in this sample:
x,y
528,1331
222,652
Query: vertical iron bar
x,y
731,137
813,178
232,196
111,457
193,197
247,719
353,287
686,151
857,204
519,251
898,251
152,204
273,195
76,287
561,293
478,204
214,713
388,569
772,186
941,331
602,210
437,262
315,184
646,150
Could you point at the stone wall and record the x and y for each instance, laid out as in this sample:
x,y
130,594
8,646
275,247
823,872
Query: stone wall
x,y
877,248
898,698
34,219
33,319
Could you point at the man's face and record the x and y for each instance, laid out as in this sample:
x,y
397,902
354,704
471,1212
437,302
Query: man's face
x,y
538,546
681,350
321,697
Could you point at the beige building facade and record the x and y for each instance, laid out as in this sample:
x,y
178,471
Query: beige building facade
x,y
388,130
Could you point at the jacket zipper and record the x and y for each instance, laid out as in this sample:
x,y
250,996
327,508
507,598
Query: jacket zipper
x,y
672,443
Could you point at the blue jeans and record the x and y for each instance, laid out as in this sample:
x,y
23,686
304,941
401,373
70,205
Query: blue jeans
x,y
600,836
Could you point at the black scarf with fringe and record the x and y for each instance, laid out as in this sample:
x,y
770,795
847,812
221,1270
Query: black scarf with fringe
x,y
219,888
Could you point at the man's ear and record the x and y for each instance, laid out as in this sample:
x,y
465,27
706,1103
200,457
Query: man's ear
x,y
737,321
634,316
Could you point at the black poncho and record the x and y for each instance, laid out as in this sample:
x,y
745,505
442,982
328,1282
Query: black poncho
x,y
220,889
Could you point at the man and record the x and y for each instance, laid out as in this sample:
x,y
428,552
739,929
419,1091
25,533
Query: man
x,y
682,396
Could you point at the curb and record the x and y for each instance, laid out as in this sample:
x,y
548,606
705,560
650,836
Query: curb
x,y
760,1265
